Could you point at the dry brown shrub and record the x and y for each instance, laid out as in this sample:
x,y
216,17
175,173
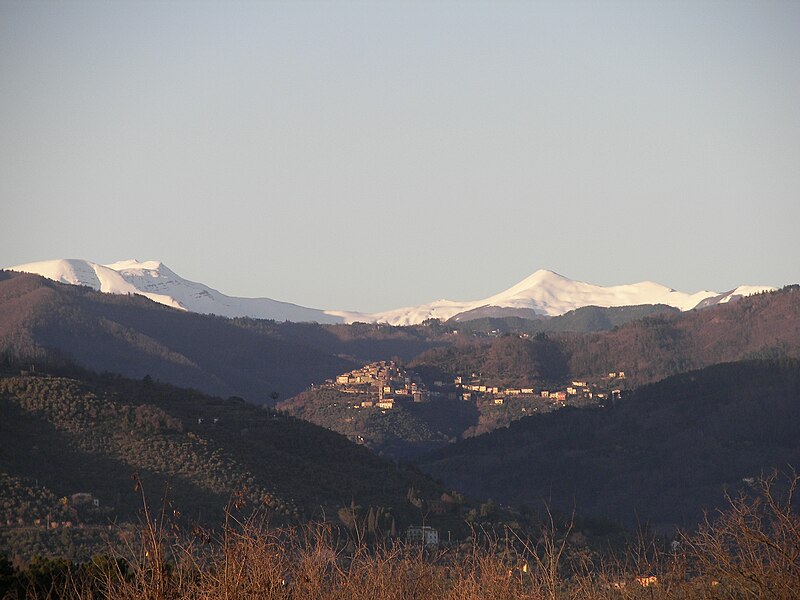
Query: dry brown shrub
x,y
750,550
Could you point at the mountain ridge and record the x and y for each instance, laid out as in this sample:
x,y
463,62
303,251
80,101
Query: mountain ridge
x,y
544,293
152,278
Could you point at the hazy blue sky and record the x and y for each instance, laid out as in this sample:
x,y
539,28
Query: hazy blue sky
x,y
370,155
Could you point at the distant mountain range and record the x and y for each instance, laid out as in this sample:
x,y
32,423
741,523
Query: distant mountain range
x,y
543,294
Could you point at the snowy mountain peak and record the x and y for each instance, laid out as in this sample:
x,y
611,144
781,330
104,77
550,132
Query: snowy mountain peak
x,y
538,278
542,276
545,274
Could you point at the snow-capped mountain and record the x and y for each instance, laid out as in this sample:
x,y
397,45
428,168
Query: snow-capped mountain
x,y
158,282
543,294
549,294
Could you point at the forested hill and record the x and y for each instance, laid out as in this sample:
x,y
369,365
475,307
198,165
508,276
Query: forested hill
x,y
61,436
660,456
581,320
765,325
505,361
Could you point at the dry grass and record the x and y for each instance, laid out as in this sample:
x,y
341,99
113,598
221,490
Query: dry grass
x,y
750,550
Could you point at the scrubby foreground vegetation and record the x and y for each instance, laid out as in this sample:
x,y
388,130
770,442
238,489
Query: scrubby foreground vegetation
x,y
749,550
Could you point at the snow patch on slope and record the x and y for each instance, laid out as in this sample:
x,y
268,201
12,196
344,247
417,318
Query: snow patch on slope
x,y
93,275
735,294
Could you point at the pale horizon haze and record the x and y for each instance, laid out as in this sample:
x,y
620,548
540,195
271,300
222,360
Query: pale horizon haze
x,y
372,155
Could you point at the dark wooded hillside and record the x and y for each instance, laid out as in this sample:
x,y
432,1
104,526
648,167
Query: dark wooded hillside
x,y
662,455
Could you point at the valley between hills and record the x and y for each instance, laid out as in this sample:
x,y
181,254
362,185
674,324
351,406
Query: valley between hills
x,y
624,415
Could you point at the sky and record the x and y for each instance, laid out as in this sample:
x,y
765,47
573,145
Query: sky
x,y
371,155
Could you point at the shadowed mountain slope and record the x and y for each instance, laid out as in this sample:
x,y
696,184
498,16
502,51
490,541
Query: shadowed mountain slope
x,y
51,323
64,436
660,456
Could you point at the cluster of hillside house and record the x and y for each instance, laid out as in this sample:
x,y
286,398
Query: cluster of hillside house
x,y
384,383
471,389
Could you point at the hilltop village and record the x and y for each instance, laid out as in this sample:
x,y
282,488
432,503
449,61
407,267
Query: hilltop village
x,y
385,385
